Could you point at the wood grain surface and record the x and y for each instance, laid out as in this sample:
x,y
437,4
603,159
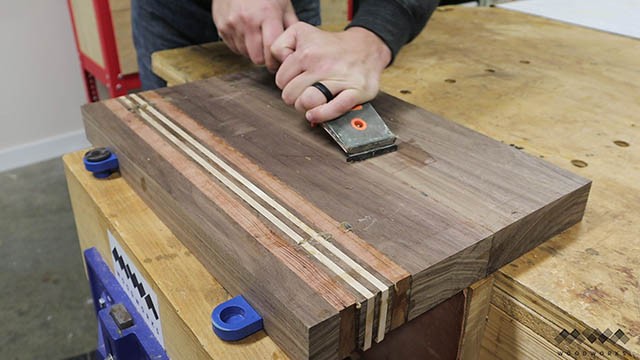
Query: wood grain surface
x,y
553,90
450,206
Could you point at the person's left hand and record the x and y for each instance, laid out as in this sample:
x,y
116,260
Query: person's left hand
x,y
348,63
249,27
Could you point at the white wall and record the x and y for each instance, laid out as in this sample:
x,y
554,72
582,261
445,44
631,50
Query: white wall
x,y
41,89
618,17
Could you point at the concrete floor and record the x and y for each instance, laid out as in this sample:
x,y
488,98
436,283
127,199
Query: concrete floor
x,y
45,301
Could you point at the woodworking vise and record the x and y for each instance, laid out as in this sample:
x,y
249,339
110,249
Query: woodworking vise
x,y
122,332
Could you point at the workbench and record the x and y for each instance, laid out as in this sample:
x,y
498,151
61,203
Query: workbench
x,y
564,93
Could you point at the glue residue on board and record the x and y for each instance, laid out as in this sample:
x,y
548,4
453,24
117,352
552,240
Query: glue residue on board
x,y
413,154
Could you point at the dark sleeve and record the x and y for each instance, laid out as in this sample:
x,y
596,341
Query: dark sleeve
x,y
396,22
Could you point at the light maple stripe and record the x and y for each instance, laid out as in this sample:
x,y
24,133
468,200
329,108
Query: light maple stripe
x,y
384,290
145,107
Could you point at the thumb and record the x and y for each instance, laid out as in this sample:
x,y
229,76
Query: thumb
x,y
290,17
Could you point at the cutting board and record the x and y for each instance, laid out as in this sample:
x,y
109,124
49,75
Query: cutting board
x,y
333,255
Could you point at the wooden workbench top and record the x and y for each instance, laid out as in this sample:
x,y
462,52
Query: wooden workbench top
x,y
568,94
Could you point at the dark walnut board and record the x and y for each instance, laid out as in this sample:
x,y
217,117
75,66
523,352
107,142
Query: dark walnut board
x,y
332,254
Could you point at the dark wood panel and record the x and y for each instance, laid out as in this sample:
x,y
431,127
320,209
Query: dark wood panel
x,y
272,209
434,335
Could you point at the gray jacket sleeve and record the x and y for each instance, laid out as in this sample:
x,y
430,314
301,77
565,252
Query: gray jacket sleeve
x,y
396,22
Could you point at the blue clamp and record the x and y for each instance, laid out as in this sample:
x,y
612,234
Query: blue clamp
x,y
235,319
101,162
122,332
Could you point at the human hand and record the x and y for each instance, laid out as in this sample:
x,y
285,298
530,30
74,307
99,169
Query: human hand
x,y
348,63
249,27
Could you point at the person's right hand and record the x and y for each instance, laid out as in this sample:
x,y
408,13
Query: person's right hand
x,y
249,27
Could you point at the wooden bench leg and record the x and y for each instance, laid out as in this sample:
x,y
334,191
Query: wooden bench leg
x,y
478,302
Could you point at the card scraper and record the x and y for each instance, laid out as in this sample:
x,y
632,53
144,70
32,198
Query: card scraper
x,y
361,133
